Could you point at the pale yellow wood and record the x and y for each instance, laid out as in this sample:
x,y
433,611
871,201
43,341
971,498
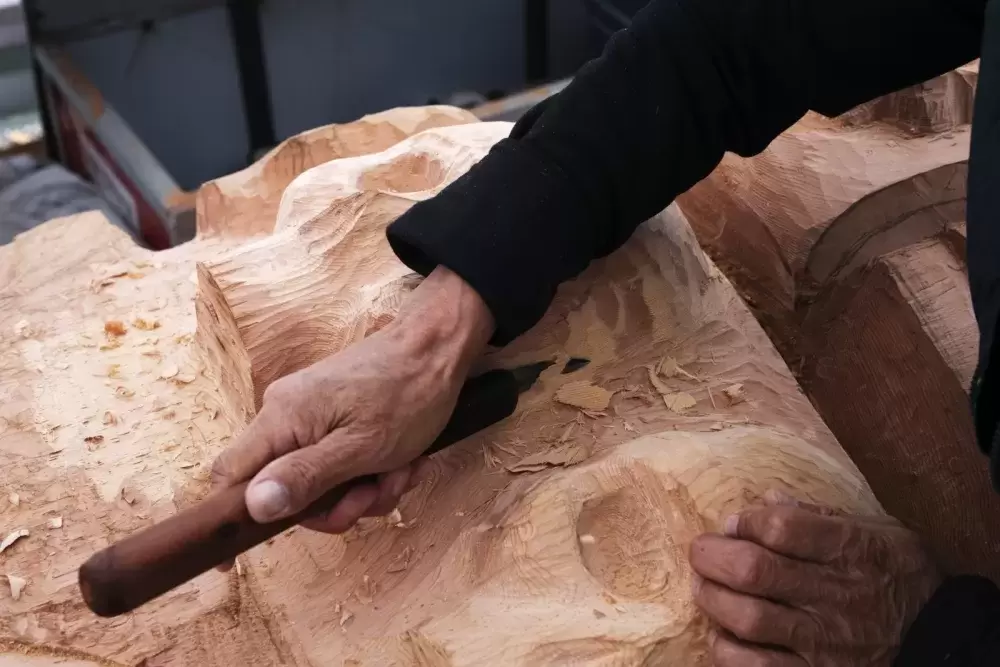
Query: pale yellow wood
x,y
582,565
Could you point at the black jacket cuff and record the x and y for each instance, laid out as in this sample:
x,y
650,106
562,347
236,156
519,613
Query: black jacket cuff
x,y
958,626
502,227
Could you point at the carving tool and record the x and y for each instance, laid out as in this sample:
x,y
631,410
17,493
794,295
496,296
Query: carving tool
x,y
158,559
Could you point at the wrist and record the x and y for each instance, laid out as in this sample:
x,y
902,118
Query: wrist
x,y
446,318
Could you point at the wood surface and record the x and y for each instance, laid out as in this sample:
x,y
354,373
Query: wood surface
x,y
847,235
110,415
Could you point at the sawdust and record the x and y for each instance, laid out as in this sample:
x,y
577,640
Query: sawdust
x,y
584,395
115,328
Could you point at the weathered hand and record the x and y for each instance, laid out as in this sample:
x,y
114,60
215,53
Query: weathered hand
x,y
792,584
371,408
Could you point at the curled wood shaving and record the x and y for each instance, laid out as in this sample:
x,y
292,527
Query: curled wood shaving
x,y
94,439
115,328
56,522
110,418
735,394
128,496
124,392
12,538
144,324
16,584
564,455
14,499
169,371
584,395
345,618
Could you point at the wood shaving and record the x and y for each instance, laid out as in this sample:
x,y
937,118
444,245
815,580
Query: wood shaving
x,y
345,618
112,344
14,499
718,426
668,367
144,324
169,371
395,516
711,398
12,538
56,522
491,459
110,418
584,395
114,371
239,568
124,392
588,539
115,328
679,402
94,439
594,415
16,584
184,378
628,427
128,496
564,455
735,394
184,465
401,562
567,432
366,593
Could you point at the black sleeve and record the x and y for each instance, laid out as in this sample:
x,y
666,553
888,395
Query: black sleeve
x,y
960,626
689,80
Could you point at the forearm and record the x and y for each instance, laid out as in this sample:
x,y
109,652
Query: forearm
x,y
445,319
690,80
959,626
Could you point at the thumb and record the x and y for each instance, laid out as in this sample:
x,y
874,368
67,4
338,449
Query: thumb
x,y
290,483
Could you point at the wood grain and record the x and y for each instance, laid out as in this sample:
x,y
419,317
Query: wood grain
x,y
582,563
848,236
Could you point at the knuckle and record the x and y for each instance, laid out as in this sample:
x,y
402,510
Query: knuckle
x,y
777,528
750,623
752,569
301,477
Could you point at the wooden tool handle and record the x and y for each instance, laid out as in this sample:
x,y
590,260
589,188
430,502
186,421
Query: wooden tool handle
x,y
150,563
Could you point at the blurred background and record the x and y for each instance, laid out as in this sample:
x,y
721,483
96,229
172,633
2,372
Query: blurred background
x,y
129,106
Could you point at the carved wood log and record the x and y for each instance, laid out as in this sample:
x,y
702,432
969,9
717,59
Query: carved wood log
x,y
847,235
556,537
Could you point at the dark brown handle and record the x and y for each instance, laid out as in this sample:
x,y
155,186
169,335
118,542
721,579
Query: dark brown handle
x,y
160,558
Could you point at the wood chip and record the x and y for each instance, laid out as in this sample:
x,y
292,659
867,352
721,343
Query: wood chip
x,y
112,344
668,367
564,455
144,324
94,439
115,328
735,394
345,618
169,371
124,392
186,464
110,418
128,496
588,539
395,516
114,371
401,562
679,402
584,395
13,537
14,499
184,378
366,593
599,614
56,522
16,584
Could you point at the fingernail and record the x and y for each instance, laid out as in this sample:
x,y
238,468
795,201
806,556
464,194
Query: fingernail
x,y
732,525
267,500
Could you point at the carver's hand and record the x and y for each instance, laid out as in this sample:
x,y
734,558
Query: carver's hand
x,y
796,585
371,408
